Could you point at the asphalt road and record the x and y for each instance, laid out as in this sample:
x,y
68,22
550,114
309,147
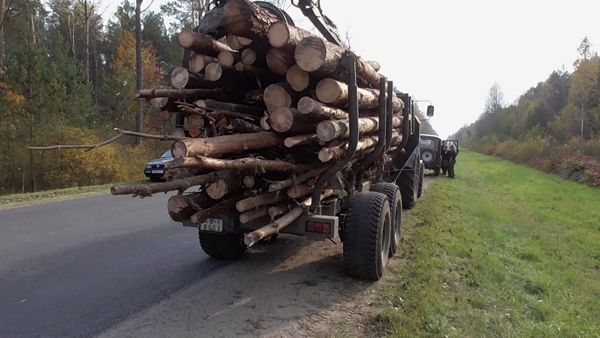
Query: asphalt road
x,y
77,267
119,267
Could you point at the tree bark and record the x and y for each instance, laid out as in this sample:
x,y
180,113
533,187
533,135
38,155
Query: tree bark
x,y
202,43
253,237
300,140
260,201
145,190
139,116
178,93
336,152
299,190
313,108
336,93
253,215
335,129
226,186
224,206
290,120
279,61
242,164
2,22
228,144
243,126
244,18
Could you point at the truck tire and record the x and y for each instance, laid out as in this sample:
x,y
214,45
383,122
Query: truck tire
x,y
408,181
367,236
395,200
421,179
229,246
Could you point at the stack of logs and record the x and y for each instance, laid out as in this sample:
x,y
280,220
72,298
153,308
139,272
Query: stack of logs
x,y
265,115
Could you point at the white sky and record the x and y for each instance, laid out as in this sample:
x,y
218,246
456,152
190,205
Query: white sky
x,y
452,51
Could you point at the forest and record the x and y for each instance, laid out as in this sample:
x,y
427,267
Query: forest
x,y
68,76
554,126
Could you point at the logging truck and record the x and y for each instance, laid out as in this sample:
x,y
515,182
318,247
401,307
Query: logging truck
x,y
283,131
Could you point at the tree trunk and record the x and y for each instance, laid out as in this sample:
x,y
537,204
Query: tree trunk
x,y
183,78
336,93
244,18
336,152
226,186
178,93
228,144
226,59
2,21
242,164
231,107
278,210
260,201
296,179
253,215
313,108
237,42
299,190
213,71
145,190
334,129
253,237
202,43
248,56
290,120
279,61
182,207
242,126
277,95
284,36
139,117
221,207
199,61
314,54
300,140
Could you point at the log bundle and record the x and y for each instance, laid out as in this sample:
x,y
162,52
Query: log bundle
x,y
265,105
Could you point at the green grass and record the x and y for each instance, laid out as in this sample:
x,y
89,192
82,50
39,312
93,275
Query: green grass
x,y
501,251
27,199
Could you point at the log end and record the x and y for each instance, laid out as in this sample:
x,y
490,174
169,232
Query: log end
x,y
279,61
278,34
185,39
329,90
276,96
213,71
179,77
179,149
282,119
298,79
326,131
310,54
306,105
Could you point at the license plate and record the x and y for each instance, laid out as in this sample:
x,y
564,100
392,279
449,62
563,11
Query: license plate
x,y
158,171
212,224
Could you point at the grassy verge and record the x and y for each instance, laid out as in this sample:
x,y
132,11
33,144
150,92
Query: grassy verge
x,y
27,199
503,250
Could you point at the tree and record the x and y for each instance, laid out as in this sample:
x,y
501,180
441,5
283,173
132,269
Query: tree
x,y
495,100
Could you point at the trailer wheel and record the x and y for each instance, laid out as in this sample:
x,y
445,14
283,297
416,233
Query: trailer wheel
x,y
408,181
421,179
229,246
394,197
367,236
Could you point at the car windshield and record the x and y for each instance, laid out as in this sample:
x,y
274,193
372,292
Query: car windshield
x,y
167,154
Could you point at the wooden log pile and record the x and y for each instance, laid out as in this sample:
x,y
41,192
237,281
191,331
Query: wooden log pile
x,y
265,107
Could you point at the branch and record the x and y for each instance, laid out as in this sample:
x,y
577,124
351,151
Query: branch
x,y
120,133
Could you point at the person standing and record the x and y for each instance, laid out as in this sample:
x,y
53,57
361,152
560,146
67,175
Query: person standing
x,y
451,154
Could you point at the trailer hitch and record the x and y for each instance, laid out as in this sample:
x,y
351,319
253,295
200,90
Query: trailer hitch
x,y
350,64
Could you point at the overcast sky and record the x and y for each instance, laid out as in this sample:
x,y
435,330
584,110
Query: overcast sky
x,y
452,52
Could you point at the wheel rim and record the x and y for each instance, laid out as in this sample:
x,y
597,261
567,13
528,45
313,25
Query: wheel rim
x,y
427,156
385,245
398,225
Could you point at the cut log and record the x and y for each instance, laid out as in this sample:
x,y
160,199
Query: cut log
x,y
198,61
296,179
222,207
249,182
232,107
336,93
244,18
284,36
213,71
242,164
228,144
253,237
260,201
253,215
225,186
308,106
182,207
178,93
184,78
237,42
299,190
263,76
279,61
300,140
226,59
278,210
277,95
248,56
298,79
335,129
314,54
327,154
243,126
202,43
194,124
325,194
145,190
159,102
290,120
374,64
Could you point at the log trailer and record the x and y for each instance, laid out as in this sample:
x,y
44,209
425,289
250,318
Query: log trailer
x,y
340,168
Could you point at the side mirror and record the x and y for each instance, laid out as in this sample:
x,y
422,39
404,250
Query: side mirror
x,y
429,111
